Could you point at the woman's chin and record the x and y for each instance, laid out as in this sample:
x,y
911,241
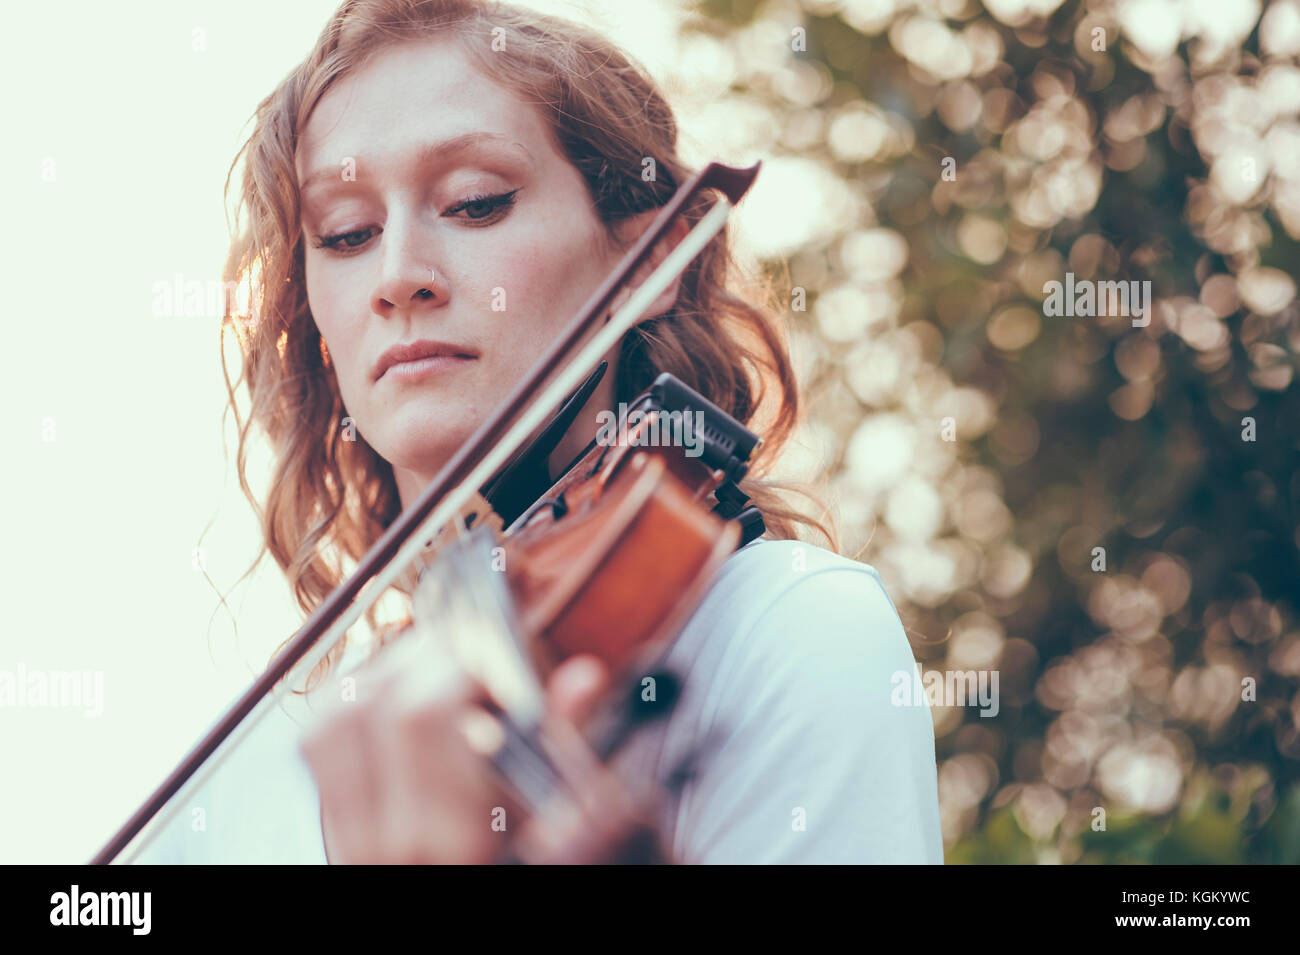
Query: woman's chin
x,y
423,438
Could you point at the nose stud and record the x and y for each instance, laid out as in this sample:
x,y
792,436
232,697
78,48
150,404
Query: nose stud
x,y
427,293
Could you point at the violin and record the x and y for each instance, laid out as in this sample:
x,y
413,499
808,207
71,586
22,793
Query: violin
x,y
610,561
519,572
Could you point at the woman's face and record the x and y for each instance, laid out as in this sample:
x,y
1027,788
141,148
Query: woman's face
x,y
446,215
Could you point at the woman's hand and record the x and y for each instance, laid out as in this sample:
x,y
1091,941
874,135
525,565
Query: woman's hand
x,y
398,778
402,782
605,822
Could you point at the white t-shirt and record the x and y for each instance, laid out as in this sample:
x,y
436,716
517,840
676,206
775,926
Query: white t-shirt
x,y
787,667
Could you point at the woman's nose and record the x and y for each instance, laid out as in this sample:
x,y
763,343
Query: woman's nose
x,y
408,277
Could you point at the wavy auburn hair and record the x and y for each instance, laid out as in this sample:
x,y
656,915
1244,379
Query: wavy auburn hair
x,y
331,499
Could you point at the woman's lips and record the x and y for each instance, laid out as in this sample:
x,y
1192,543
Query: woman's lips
x,y
407,371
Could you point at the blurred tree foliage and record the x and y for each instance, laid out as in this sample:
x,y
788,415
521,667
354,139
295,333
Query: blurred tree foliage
x,y
1148,690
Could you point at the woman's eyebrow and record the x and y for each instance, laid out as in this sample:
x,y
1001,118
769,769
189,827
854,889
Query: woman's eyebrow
x,y
431,154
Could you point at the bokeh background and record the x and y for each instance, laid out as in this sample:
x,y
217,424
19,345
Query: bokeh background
x,y
928,167
1148,140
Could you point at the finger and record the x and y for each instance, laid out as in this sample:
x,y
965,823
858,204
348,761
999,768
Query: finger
x,y
438,795
581,832
575,686
550,837
360,754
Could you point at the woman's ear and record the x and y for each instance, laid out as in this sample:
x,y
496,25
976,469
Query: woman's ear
x,y
631,229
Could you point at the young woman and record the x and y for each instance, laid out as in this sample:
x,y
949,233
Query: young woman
x,y
458,177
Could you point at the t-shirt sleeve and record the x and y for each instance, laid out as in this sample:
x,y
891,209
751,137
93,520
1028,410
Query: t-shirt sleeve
x,y
811,761
259,807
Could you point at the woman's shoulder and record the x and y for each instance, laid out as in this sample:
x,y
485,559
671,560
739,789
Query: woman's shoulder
x,y
796,619
789,665
768,583
257,806
764,563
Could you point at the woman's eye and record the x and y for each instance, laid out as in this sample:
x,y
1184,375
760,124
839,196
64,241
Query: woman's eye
x,y
482,208
350,240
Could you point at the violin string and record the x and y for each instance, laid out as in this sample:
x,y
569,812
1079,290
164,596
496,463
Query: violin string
x,y
534,767
527,784
523,750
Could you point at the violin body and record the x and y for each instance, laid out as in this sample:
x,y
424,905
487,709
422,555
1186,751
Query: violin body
x,y
621,571
617,554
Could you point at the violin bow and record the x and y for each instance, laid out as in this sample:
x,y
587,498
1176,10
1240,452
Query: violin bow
x,y
551,380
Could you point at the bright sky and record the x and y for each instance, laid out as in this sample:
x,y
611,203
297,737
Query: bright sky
x,y
119,137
